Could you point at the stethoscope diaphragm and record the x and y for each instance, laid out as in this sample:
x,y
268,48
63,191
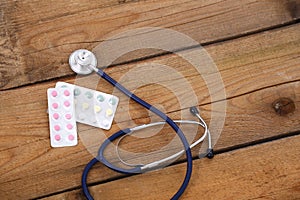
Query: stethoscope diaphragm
x,y
81,60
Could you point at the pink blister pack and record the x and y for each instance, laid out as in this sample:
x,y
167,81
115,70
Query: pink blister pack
x,y
62,122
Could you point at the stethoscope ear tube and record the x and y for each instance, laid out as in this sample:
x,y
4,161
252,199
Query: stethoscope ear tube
x,y
167,160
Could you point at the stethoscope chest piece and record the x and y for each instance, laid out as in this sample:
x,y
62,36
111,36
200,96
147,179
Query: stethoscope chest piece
x,y
81,60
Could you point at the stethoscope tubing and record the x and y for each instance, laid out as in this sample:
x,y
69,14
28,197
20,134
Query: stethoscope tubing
x,y
125,131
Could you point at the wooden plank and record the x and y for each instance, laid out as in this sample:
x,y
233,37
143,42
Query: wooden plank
x,y
40,36
28,161
266,171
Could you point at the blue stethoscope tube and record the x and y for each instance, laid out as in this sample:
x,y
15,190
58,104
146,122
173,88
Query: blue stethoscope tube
x,y
126,131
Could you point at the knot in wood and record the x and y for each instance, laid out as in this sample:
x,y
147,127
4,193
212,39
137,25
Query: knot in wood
x,y
284,106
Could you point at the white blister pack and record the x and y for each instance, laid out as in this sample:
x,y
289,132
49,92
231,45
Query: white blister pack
x,y
63,130
92,107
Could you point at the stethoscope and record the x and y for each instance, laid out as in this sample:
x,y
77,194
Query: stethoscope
x,y
84,62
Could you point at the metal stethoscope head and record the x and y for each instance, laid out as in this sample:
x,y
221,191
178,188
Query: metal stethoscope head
x,y
83,62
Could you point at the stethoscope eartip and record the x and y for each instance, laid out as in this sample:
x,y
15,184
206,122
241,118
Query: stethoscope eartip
x,y
210,153
83,61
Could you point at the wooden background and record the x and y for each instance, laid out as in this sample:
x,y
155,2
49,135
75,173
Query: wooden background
x,y
256,46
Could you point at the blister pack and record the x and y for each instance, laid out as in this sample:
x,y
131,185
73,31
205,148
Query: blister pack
x,y
92,107
63,130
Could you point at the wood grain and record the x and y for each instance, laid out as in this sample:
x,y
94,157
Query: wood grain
x,y
29,168
266,171
37,37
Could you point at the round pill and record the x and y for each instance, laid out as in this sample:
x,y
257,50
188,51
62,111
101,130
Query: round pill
x,y
55,105
85,106
94,120
112,101
81,116
54,93
55,115
109,112
105,123
97,109
100,98
57,127
77,92
57,137
88,95
67,93
71,137
68,116
67,103
69,126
